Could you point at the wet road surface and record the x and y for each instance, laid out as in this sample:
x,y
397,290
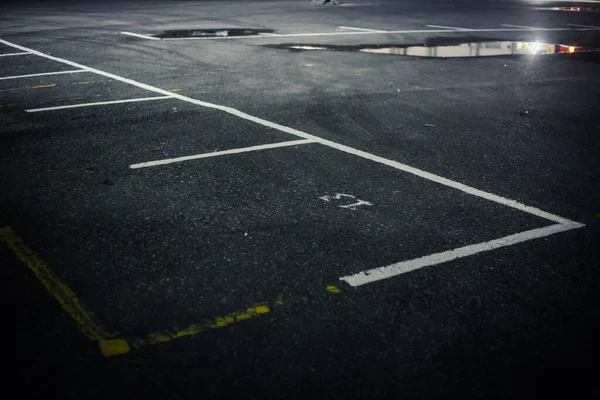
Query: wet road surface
x,y
278,199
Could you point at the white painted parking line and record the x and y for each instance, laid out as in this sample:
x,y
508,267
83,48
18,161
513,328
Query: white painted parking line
x,y
565,224
350,150
42,74
418,31
455,28
100,103
403,267
360,29
221,153
14,54
585,26
524,27
139,35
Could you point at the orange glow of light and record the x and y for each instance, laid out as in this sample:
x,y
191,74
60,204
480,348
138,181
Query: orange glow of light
x,y
571,49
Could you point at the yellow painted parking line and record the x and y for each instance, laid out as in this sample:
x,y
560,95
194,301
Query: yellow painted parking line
x,y
108,343
332,289
253,311
44,86
29,87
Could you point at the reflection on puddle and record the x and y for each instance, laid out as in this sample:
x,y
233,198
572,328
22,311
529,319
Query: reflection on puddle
x,y
479,49
224,32
470,49
299,47
574,9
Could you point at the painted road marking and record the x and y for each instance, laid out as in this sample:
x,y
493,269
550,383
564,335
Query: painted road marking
x,y
49,85
417,31
403,267
341,196
565,224
100,103
360,29
42,74
254,311
14,54
585,26
455,28
139,35
221,153
332,289
524,27
108,343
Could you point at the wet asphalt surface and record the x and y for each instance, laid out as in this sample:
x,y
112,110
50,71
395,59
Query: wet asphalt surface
x,y
164,247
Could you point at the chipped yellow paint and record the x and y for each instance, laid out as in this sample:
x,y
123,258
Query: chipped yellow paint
x,y
109,345
219,322
29,87
113,347
308,65
278,302
44,86
174,90
332,289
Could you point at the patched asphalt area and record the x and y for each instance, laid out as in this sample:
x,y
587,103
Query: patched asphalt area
x,y
164,247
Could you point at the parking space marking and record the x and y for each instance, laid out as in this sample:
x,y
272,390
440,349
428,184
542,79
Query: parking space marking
x,y
403,267
256,310
100,103
221,153
524,27
455,28
49,85
565,224
14,54
139,35
409,31
585,26
41,74
360,29
108,343
342,199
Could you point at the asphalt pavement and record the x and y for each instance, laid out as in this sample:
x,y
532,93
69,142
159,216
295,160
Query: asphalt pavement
x,y
279,199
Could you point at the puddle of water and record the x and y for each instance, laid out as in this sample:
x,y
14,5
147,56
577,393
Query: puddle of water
x,y
301,47
469,49
572,9
478,49
223,32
